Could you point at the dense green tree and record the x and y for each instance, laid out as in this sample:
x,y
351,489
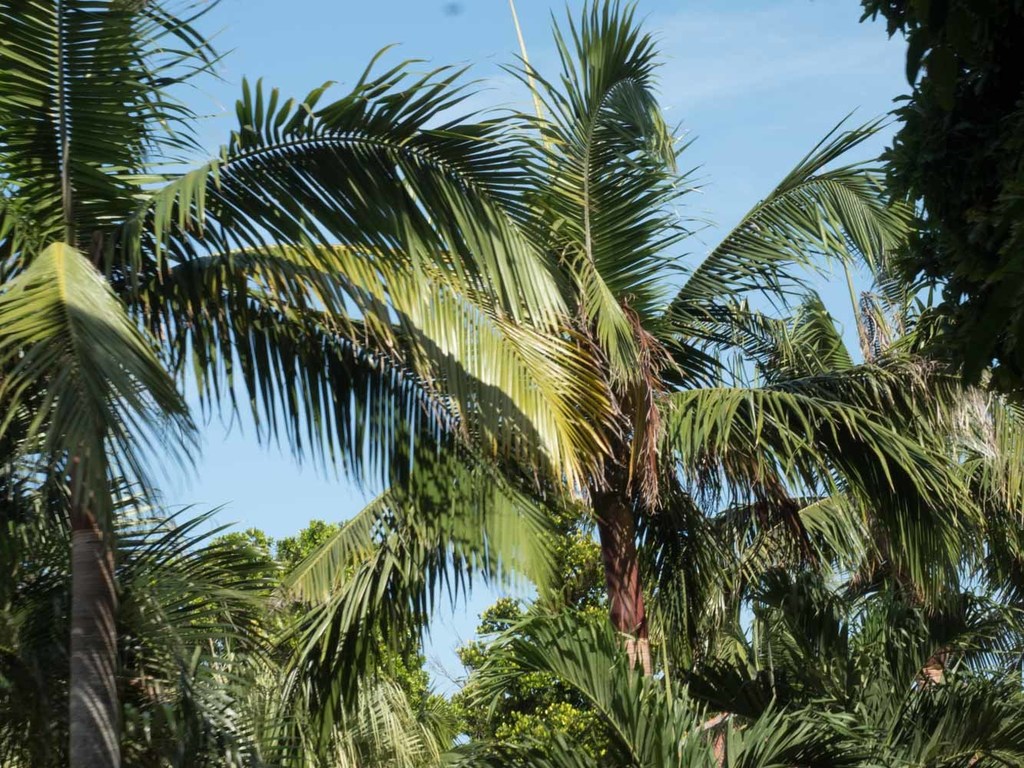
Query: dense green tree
x,y
537,705
959,154
276,557
475,316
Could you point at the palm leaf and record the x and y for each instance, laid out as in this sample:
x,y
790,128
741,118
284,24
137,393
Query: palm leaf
x,y
66,338
426,353
380,575
605,176
95,77
798,439
842,213
364,171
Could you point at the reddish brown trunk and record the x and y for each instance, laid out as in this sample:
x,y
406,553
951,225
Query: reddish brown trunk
x,y
714,731
93,702
617,529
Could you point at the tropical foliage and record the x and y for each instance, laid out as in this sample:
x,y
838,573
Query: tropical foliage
x,y
353,269
811,554
602,194
794,640
957,154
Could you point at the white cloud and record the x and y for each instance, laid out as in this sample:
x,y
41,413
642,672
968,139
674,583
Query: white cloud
x,y
715,51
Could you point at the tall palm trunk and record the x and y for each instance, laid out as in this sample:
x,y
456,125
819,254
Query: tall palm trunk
x,y
93,702
617,530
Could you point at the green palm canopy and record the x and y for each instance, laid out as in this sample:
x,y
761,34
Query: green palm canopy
x,y
351,271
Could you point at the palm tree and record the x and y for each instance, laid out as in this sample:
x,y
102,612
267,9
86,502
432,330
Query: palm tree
x,y
355,270
602,186
596,196
188,608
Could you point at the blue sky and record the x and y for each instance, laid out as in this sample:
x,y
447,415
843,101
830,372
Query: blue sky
x,y
756,84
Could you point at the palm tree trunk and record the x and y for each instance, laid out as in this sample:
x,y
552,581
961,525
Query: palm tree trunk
x,y
617,531
93,702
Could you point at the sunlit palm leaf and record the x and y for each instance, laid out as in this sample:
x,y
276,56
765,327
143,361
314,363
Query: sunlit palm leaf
x,y
512,388
65,336
816,211
371,170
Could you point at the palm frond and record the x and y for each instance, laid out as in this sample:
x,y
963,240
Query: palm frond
x,y
647,727
376,580
67,340
795,439
372,170
418,353
807,343
816,211
605,176
95,78
652,723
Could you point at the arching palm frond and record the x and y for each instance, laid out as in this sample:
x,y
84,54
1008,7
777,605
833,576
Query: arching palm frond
x,y
815,211
646,727
377,579
369,171
67,339
797,439
651,722
448,360
808,343
605,176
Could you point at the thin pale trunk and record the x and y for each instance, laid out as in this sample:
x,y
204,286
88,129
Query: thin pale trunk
x,y
617,530
93,702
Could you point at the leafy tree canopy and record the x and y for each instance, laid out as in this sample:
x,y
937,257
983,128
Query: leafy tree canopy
x,y
960,154
537,706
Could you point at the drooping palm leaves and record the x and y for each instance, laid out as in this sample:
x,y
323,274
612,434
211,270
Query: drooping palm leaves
x,y
376,581
186,608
